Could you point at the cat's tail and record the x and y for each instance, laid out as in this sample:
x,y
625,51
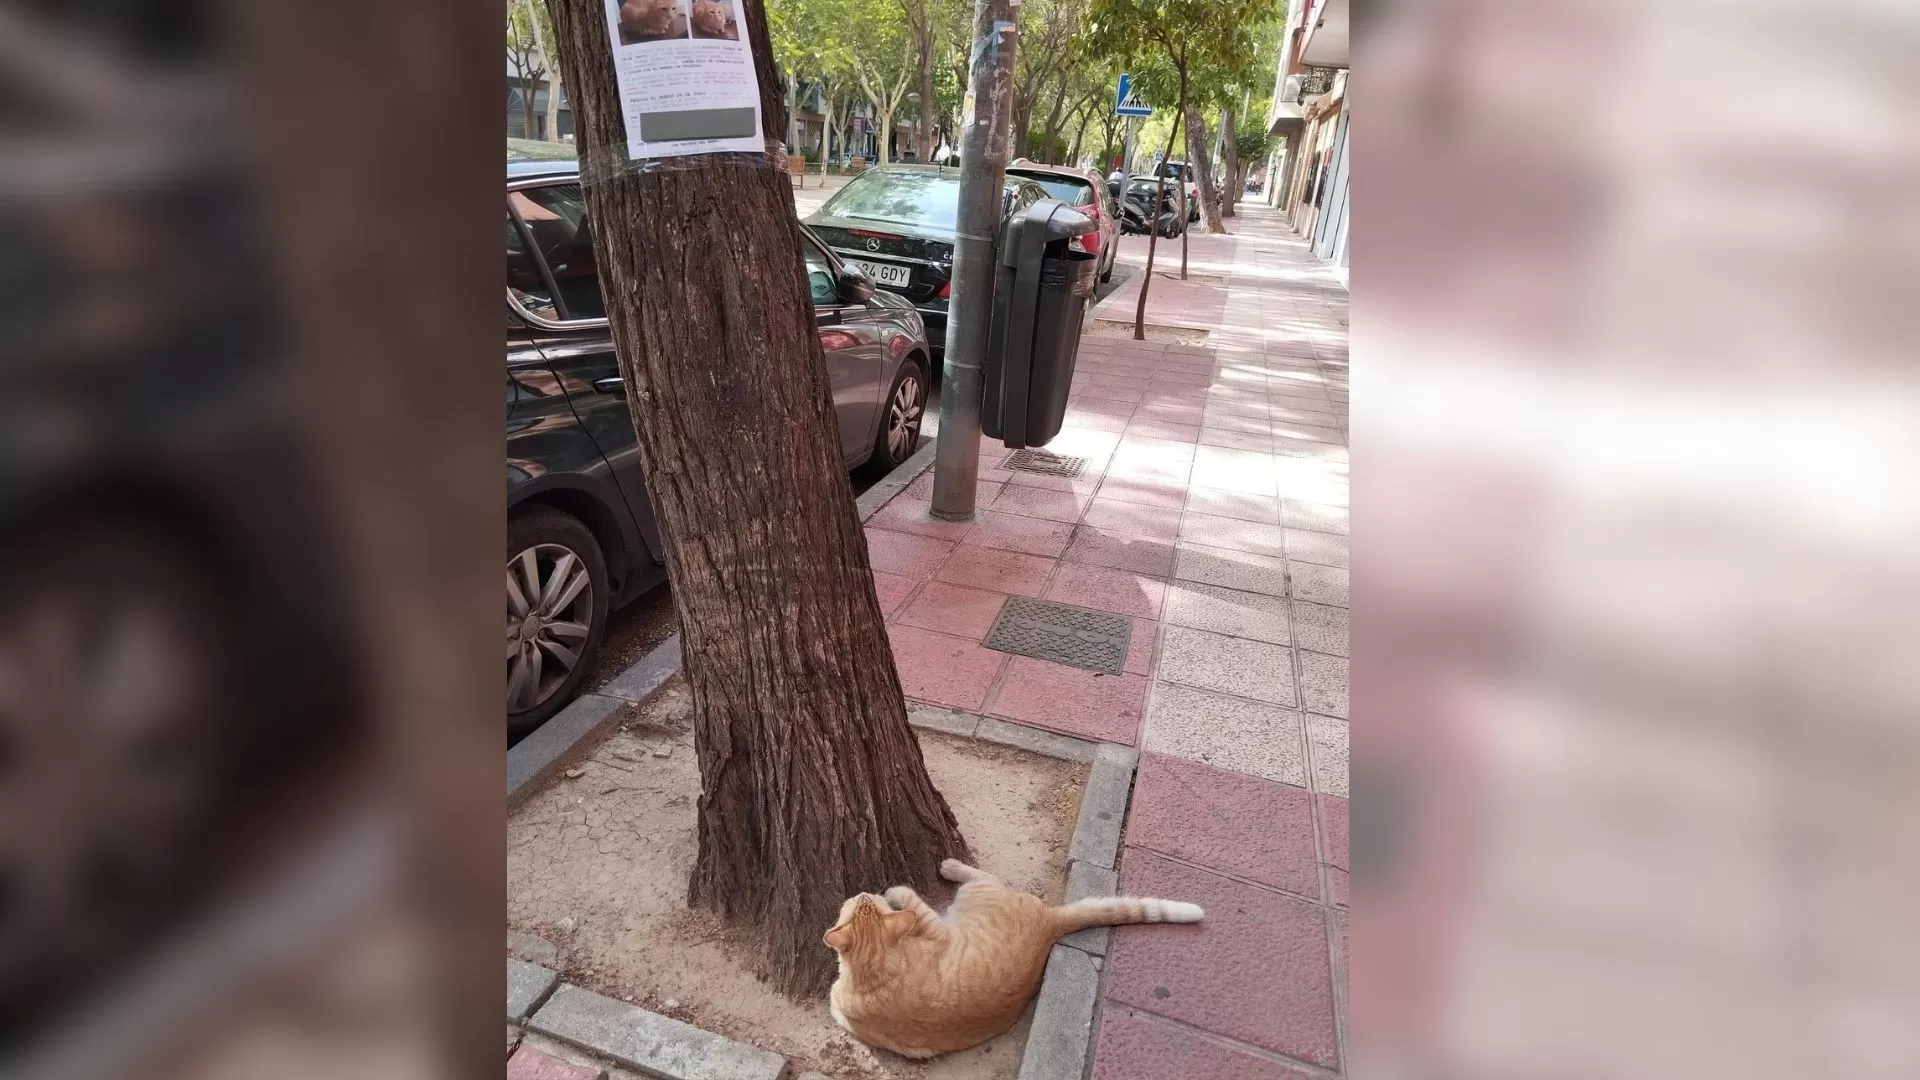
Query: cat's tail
x,y
1117,910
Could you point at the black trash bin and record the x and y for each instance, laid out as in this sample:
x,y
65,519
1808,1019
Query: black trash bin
x,y
1040,294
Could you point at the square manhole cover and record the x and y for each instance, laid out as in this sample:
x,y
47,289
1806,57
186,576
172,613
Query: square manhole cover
x,y
1077,637
1039,461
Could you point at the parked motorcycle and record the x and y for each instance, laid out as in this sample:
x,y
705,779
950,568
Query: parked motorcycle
x,y
1134,217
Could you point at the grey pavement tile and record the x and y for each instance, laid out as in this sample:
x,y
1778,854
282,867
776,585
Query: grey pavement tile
x,y
1325,549
1242,570
1234,504
1230,665
1319,584
1228,611
1306,515
1323,683
1327,742
1320,627
1233,534
1231,733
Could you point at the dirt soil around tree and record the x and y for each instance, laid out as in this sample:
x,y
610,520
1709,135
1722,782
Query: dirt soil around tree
x,y
597,866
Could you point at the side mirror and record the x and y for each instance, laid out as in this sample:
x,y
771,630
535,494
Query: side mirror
x,y
854,287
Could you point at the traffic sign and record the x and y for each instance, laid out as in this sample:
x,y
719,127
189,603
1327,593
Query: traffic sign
x,y
1127,103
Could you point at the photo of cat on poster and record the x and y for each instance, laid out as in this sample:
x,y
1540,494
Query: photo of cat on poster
x,y
645,21
716,19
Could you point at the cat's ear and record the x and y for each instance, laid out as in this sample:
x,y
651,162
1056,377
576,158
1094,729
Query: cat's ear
x,y
840,936
899,924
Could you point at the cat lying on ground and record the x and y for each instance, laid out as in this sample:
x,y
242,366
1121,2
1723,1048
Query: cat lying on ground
x,y
920,983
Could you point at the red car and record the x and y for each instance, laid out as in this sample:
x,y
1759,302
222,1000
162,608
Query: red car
x,y
1082,188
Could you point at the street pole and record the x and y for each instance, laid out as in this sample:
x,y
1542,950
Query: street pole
x,y
1126,159
983,169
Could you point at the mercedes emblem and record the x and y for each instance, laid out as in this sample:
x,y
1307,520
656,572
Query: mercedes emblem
x,y
873,245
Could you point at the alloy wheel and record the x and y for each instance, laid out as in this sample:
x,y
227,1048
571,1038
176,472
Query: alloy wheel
x,y
903,419
549,613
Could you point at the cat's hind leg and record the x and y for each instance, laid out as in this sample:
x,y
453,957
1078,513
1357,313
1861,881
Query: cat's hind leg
x,y
955,870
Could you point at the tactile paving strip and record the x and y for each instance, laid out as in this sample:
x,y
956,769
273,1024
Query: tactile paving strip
x,y
1039,461
1077,637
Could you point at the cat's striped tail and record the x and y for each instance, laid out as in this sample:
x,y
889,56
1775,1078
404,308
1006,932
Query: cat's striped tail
x,y
1118,910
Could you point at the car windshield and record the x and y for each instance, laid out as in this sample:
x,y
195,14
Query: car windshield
x,y
1065,188
910,198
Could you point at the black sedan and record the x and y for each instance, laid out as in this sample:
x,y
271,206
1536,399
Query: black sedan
x,y
581,535
896,224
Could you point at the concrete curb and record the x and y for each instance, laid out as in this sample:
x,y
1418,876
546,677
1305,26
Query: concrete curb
x,y
656,1045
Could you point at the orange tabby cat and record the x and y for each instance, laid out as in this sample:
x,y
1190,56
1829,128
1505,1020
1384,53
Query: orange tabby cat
x,y
920,983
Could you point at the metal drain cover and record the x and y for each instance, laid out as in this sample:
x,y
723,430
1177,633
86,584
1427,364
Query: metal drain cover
x,y
1077,637
1039,461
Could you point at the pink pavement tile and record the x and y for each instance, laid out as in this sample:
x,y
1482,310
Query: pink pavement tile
x,y
1161,473
1123,592
1014,532
1256,969
530,1064
922,488
892,589
1094,403
903,553
1134,1045
1159,430
1035,502
1133,519
996,570
1238,505
1207,816
1119,551
1106,388
915,516
1141,647
1184,415
1041,693
943,669
953,609
1142,493
1137,447
1095,421
1333,814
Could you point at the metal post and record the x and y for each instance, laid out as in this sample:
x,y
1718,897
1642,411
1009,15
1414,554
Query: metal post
x,y
983,169
1126,159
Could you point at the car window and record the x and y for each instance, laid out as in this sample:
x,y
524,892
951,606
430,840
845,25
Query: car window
x,y
1065,188
821,280
524,279
555,217
910,198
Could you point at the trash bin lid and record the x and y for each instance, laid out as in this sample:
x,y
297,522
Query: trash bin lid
x,y
1063,222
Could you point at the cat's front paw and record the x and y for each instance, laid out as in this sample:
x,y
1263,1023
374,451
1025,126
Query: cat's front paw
x,y
955,870
899,897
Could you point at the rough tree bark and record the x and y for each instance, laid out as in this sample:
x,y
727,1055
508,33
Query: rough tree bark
x,y
920,23
812,784
1231,193
1200,160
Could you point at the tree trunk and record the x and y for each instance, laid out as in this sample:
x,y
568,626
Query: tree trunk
x,y
529,89
1230,135
884,137
1052,130
926,92
1200,158
1153,224
553,82
812,786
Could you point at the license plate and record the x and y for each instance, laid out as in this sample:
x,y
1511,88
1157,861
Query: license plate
x,y
883,273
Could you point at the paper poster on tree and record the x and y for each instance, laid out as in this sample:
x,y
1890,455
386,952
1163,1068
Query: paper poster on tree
x,y
686,77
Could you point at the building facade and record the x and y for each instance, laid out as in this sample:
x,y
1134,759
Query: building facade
x,y
1310,113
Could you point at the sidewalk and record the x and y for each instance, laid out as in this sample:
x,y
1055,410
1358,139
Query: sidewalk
x,y
1211,511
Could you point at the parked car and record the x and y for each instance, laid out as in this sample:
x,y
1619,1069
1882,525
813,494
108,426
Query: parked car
x,y
581,534
895,223
1082,188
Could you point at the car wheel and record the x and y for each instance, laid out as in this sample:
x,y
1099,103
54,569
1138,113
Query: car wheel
x,y
1107,274
557,598
900,416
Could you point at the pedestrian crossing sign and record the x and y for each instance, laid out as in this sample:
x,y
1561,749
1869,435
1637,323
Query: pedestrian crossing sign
x,y
1127,103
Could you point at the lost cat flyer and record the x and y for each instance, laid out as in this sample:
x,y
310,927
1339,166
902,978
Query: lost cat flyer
x,y
686,78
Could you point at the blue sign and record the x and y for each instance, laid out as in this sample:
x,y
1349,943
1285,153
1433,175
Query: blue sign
x,y
1126,103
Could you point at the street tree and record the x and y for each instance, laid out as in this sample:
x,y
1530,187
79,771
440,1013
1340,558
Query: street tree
x,y
810,42
1179,36
883,62
1047,29
528,57
812,786
923,29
